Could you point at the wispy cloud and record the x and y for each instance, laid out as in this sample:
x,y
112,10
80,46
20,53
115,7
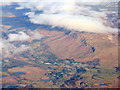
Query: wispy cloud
x,y
7,45
10,49
21,36
75,15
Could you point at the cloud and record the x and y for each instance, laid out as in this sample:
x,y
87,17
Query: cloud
x,y
9,49
21,49
76,22
21,36
75,15
93,2
72,15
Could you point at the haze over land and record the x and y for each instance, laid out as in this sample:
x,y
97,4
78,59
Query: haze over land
x,y
59,44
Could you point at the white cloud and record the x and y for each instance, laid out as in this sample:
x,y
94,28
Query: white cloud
x,y
76,22
68,14
8,2
21,36
8,48
21,49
